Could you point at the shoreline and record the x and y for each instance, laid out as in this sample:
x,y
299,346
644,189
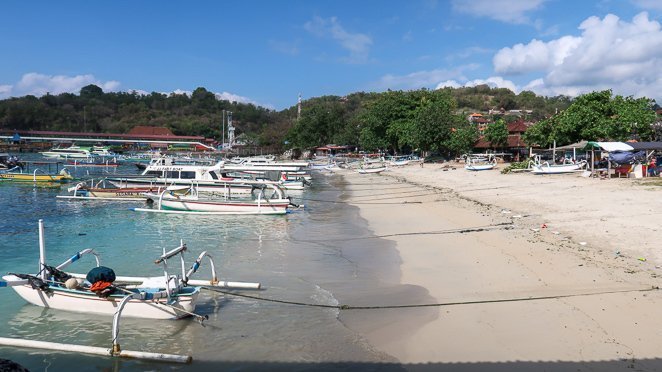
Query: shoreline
x,y
469,236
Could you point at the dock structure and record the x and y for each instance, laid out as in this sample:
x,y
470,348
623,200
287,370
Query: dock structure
x,y
156,139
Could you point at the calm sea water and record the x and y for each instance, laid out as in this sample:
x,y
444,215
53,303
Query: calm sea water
x,y
287,254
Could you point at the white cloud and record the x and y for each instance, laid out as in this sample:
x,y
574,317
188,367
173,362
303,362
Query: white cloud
x,y
534,56
39,84
493,81
5,90
509,11
610,54
357,44
422,79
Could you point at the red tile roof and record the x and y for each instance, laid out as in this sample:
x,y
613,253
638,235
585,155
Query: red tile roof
x,y
514,141
141,130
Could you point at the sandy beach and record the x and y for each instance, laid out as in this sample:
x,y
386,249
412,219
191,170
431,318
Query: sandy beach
x,y
551,272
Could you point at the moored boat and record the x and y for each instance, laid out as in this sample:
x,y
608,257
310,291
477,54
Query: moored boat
x,y
546,168
372,170
480,164
71,152
266,199
25,174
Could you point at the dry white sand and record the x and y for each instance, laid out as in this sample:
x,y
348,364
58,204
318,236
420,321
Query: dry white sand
x,y
478,236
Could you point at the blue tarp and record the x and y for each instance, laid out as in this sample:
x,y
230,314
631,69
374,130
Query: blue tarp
x,y
627,157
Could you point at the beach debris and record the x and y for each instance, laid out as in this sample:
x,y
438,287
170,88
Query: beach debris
x,y
517,216
582,243
535,230
505,211
556,232
543,226
618,253
642,259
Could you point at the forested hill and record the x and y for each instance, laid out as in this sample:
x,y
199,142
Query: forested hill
x,y
396,120
95,111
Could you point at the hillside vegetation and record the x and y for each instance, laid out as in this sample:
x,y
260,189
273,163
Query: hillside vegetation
x,y
427,120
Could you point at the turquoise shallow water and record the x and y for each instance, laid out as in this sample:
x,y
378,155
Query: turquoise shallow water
x,y
279,251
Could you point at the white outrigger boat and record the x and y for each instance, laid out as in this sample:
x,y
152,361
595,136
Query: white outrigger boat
x,y
480,164
545,168
169,201
162,297
372,170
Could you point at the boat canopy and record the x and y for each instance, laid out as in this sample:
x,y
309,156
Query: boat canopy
x,y
608,146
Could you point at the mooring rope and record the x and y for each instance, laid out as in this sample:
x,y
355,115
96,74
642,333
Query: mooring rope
x,y
369,202
440,304
498,226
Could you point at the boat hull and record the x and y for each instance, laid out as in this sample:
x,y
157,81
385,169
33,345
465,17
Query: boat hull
x,y
25,177
89,302
371,170
555,169
479,167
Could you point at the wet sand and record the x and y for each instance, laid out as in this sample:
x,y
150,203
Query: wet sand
x,y
540,269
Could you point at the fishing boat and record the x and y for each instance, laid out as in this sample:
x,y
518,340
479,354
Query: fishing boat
x,y
35,175
101,191
480,163
546,168
102,292
164,297
372,170
172,200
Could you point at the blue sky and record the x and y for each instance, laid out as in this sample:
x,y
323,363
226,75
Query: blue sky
x,y
267,52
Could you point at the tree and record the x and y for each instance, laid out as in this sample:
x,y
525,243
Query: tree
x,y
462,138
435,120
497,134
91,91
596,116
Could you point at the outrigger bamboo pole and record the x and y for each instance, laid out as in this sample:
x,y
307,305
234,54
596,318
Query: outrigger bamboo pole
x,y
42,250
160,357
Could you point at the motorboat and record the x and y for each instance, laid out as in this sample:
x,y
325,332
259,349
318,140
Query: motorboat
x,y
71,152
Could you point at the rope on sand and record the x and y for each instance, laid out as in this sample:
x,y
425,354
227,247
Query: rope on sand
x,y
440,304
498,226
370,202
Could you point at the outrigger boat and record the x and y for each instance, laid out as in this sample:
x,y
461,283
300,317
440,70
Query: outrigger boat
x,y
22,174
372,170
99,191
480,164
163,297
568,166
169,201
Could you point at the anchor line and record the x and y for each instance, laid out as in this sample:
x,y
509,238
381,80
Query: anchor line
x,y
440,304
499,226
368,202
